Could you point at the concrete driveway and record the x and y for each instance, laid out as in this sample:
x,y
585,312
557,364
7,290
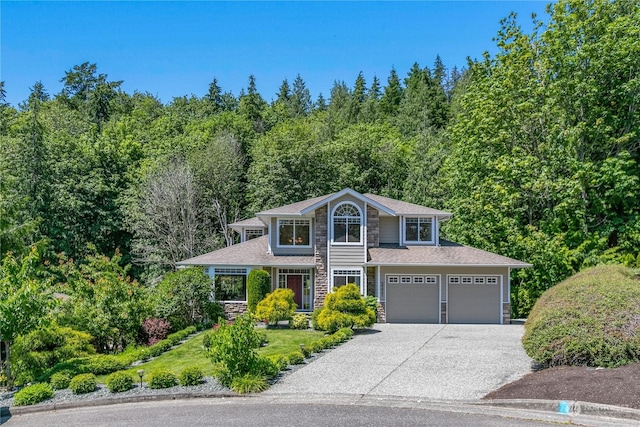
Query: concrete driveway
x,y
450,362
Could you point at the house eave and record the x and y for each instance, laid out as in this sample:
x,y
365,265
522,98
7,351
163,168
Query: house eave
x,y
342,193
390,264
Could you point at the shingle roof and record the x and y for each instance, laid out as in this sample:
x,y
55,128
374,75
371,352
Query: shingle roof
x,y
249,253
251,222
293,208
447,254
405,208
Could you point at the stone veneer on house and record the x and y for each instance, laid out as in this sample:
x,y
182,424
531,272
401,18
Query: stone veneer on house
x,y
373,225
233,309
321,279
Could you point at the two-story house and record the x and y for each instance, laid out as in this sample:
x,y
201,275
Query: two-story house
x,y
390,249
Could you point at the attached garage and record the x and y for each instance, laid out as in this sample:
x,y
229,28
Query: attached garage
x,y
474,299
413,298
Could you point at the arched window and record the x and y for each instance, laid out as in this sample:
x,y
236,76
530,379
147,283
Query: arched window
x,y
347,223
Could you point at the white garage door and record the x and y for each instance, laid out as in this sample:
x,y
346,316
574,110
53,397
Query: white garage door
x,y
473,299
412,299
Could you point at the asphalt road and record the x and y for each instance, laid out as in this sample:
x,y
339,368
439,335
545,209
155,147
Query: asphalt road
x,y
243,412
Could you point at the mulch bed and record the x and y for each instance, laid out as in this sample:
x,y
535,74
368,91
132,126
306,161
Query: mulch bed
x,y
618,386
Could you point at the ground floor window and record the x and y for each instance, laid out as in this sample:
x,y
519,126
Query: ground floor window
x,y
230,284
343,277
299,281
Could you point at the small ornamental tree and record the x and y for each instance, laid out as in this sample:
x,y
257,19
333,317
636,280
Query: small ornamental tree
x,y
344,308
278,305
258,286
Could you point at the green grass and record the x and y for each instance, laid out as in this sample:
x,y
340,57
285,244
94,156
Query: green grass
x,y
284,341
191,353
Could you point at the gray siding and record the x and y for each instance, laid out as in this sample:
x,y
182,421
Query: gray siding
x,y
389,230
346,255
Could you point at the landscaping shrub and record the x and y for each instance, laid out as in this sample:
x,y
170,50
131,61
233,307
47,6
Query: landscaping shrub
x,y
60,380
258,286
232,348
191,376
249,383
590,319
280,361
344,308
295,357
155,329
299,321
276,306
33,394
372,303
182,297
105,364
34,353
161,378
120,381
83,383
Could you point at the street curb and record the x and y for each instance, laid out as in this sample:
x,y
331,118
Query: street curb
x,y
565,407
111,400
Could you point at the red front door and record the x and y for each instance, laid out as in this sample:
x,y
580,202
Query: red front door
x,y
295,284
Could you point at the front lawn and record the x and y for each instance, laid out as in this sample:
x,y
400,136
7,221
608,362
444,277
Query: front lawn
x,y
191,353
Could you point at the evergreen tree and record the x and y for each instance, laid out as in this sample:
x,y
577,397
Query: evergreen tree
x,y
358,97
392,95
252,106
300,98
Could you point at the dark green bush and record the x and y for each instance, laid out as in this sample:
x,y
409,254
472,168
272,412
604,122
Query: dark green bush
x,y
191,376
33,394
33,354
60,380
182,297
83,383
344,308
590,319
120,381
258,286
161,378
372,303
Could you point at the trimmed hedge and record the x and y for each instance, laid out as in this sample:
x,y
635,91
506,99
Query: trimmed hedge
x,y
258,286
590,319
191,376
119,381
162,378
60,380
33,394
83,383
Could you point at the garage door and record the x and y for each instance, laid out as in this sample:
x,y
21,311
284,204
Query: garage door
x,y
412,299
474,299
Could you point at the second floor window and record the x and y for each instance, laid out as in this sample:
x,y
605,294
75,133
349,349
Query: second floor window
x,y
347,222
294,232
418,230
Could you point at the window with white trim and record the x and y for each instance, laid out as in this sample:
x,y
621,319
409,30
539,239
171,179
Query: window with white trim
x,y
418,230
230,284
492,280
253,233
418,279
347,223
294,232
393,279
343,277
405,279
430,279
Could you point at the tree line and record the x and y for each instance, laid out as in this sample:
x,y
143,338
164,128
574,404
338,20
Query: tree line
x,y
534,149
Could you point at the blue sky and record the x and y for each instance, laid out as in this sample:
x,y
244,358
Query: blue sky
x,y
176,48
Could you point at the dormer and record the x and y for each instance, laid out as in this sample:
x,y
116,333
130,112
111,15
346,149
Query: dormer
x,y
249,229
